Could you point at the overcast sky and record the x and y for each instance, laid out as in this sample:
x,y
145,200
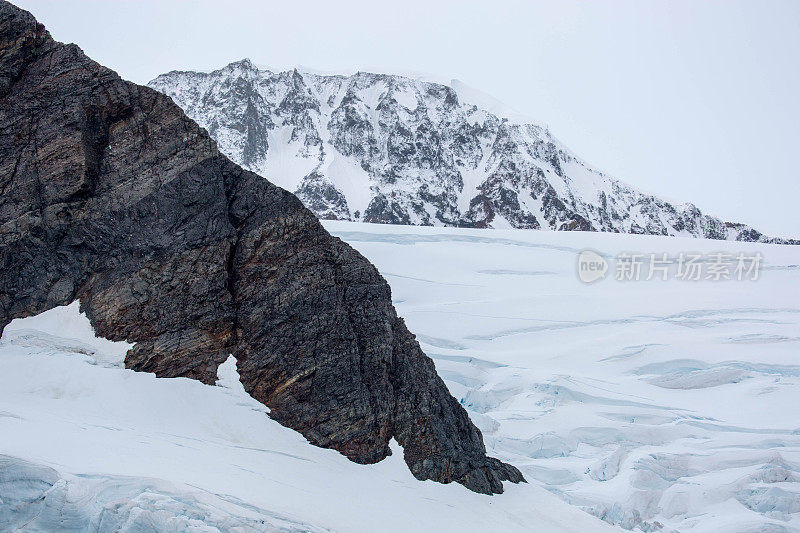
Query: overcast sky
x,y
694,100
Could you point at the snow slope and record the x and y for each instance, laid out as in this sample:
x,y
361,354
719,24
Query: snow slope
x,y
88,446
656,406
405,150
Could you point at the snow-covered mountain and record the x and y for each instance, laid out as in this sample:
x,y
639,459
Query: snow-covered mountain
x,y
394,149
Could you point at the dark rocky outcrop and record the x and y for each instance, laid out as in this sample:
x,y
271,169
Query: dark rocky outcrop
x,y
110,194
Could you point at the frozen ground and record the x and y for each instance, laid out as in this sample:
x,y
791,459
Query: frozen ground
x,y
665,405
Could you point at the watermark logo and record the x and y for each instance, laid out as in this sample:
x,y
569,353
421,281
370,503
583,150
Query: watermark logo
x,y
591,266
628,266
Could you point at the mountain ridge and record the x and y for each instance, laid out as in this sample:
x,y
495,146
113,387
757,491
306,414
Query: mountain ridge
x,y
392,149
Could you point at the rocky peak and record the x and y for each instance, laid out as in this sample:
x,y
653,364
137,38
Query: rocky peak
x,y
112,196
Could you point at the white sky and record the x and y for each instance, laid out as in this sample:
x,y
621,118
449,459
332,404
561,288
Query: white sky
x,y
694,100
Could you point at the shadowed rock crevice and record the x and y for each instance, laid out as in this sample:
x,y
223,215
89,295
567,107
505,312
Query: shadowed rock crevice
x,y
111,195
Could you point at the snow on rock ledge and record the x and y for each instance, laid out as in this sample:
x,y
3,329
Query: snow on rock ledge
x,y
68,329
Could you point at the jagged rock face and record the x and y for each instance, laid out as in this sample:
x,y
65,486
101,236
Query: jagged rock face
x,y
392,149
110,194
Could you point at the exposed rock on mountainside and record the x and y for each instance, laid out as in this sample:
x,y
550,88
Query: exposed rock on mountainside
x,y
385,148
110,194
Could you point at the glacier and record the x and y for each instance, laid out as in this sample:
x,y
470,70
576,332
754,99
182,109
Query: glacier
x,y
641,405
654,405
